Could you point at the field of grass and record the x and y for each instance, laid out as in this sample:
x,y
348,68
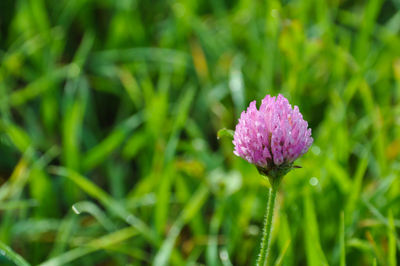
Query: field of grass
x,y
109,113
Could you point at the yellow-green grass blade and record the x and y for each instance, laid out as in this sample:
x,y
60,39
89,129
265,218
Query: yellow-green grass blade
x,y
99,194
100,243
342,240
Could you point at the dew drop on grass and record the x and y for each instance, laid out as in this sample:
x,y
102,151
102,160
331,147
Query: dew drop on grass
x,y
130,219
274,13
253,230
224,255
75,209
199,144
313,181
315,149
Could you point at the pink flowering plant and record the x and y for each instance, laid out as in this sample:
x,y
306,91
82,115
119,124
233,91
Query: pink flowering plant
x,y
272,138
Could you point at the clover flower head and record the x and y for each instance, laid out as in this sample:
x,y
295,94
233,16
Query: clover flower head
x,y
273,135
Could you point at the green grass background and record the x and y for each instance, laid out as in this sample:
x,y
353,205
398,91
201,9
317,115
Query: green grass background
x,y
109,112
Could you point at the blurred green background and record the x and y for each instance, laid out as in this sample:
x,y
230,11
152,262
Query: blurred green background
x,y
109,116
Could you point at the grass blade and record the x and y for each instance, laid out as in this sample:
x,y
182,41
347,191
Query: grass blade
x,y
94,245
12,255
99,194
392,240
95,211
281,256
191,208
315,255
342,241
17,204
100,152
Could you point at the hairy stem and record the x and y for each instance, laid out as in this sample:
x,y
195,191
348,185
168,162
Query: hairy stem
x,y
266,238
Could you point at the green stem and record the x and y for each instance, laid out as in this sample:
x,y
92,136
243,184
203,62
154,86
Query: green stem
x,y
266,239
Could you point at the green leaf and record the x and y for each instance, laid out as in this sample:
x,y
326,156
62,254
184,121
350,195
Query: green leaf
x,y
225,133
